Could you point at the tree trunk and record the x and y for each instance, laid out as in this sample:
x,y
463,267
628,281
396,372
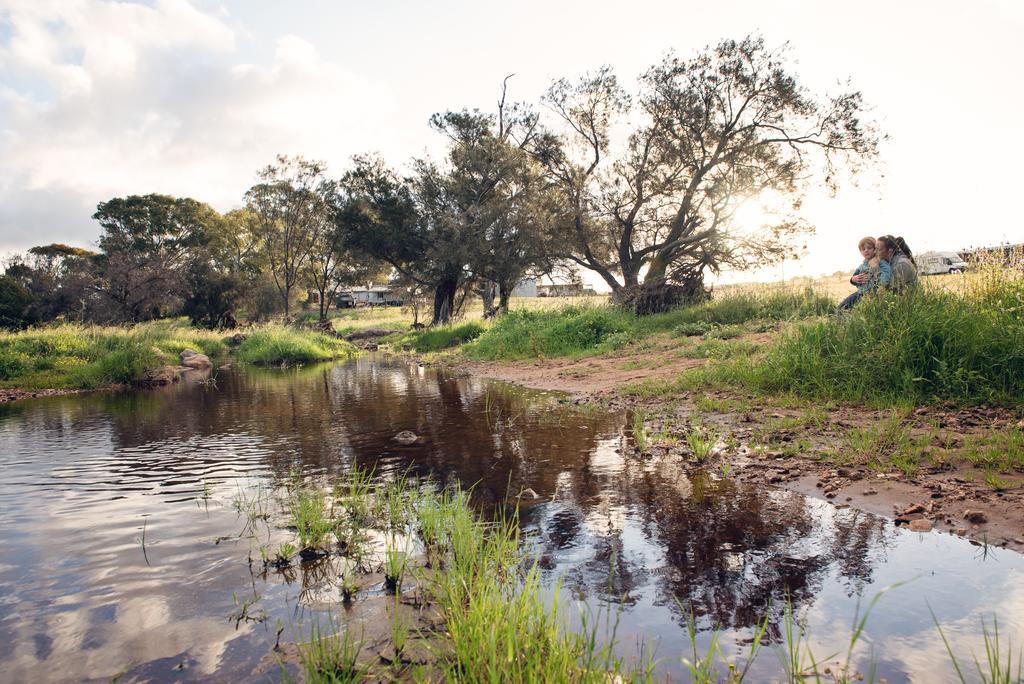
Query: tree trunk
x,y
504,294
323,305
487,297
656,269
444,301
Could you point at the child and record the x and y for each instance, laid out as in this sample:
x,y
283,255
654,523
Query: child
x,y
869,275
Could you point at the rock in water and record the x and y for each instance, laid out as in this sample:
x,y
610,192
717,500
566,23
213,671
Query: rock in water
x,y
528,494
921,525
193,359
156,377
406,437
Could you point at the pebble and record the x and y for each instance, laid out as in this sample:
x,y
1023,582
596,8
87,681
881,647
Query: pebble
x,y
975,517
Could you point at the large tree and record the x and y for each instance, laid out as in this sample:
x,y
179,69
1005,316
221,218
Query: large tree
x,y
652,213
291,203
410,224
224,271
479,215
61,279
146,245
334,263
497,191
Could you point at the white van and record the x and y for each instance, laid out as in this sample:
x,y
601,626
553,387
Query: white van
x,y
934,263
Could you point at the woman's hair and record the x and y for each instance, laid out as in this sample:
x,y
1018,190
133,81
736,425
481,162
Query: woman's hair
x,y
898,244
866,241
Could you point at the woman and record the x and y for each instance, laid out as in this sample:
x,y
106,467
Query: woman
x,y
872,273
896,252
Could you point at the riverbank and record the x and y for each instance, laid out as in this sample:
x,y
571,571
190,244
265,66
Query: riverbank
x,y
906,407
955,469
9,395
73,358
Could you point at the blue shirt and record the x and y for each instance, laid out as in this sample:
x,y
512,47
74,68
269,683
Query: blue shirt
x,y
881,277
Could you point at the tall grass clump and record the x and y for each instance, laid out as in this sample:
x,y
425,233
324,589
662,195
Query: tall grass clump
x,y
581,330
436,339
572,331
280,345
329,658
772,305
964,345
499,625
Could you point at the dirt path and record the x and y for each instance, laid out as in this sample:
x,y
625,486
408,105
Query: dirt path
x,y
924,475
595,376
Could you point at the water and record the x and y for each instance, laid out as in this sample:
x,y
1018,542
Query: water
x,y
84,479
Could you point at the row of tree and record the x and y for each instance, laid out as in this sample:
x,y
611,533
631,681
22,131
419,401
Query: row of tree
x,y
640,188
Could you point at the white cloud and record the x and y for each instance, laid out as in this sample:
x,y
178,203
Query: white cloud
x,y
113,98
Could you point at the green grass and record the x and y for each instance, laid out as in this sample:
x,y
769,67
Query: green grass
x,y
331,658
770,305
443,337
701,442
572,331
278,345
639,431
1001,665
89,357
886,444
585,330
999,449
965,346
311,519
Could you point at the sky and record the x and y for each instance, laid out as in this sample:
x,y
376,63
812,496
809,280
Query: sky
x,y
190,97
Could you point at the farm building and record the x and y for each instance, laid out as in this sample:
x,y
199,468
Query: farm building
x,y
373,295
560,290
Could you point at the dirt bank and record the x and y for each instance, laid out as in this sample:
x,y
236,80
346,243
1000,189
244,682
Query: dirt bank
x,y
595,377
9,395
929,468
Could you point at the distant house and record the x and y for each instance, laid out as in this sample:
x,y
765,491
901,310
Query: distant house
x,y
560,290
527,287
374,295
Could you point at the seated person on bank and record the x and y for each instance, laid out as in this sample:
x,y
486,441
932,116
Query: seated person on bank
x,y
871,274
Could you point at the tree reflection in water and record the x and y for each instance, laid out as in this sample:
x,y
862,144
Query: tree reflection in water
x,y
646,532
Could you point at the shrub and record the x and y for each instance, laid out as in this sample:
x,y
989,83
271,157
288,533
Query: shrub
x,y
437,339
691,329
570,331
276,345
13,363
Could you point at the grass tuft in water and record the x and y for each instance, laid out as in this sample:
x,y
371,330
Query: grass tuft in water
x,y
994,669
311,519
639,431
701,441
329,659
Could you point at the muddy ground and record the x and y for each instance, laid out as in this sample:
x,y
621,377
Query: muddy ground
x,y
806,447
9,395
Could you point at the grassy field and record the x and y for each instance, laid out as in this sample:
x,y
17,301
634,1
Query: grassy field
x,y
89,357
956,339
959,338
587,329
